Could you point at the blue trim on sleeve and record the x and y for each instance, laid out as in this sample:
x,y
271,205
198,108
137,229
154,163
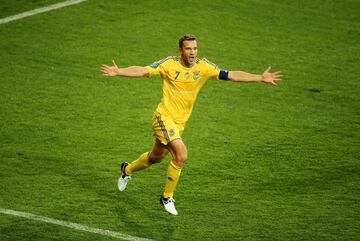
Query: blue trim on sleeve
x,y
223,75
153,66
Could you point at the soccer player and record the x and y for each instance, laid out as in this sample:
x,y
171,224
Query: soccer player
x,y
183,76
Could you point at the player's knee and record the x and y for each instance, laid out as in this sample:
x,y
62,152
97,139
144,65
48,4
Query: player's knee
x,y
180,159
156,158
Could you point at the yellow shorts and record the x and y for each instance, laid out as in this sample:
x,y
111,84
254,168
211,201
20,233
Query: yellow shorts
x,y
165,129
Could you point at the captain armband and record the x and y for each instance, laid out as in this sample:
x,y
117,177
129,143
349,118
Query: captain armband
x,y
224,74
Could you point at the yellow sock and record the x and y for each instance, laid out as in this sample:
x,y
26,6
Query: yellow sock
x,y
173,175
141,163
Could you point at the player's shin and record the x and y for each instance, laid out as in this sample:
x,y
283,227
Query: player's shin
x,y
141,163
173,175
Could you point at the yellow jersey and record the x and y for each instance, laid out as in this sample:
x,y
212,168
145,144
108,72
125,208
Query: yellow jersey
x,y
181,85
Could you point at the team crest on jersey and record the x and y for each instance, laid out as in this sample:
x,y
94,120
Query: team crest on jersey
x,y
187,76
171,132
196,75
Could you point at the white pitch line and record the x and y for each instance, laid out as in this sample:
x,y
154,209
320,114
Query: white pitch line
x,y
72,225
40,10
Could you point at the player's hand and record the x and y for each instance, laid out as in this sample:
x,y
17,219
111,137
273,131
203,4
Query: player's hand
x,y
110,70
268,77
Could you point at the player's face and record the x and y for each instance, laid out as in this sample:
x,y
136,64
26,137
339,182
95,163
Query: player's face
x,y
188,52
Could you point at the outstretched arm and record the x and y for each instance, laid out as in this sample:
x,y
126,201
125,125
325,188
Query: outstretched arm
x,y
132,71
267,77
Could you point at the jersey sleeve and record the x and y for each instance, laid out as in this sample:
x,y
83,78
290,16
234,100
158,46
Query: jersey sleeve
x,y
158,67
212,69
153,70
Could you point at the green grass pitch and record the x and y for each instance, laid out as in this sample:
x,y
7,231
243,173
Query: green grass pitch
x,y
265,162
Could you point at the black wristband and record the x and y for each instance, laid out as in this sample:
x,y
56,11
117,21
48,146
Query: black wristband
x,y
223,75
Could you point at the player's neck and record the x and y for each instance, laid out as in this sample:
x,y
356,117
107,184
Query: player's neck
x,y
186,64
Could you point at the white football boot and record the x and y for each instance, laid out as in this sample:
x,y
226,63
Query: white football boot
x,y
169,205
123,180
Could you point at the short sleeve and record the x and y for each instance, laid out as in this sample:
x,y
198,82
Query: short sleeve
x,y
153,71
212,70
158,67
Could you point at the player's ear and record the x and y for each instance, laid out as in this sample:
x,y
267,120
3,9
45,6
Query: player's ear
x,y
180,51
